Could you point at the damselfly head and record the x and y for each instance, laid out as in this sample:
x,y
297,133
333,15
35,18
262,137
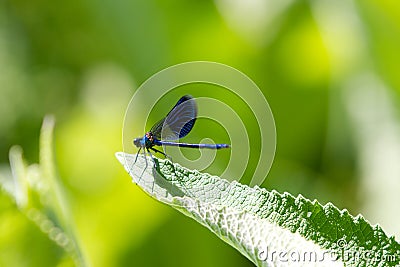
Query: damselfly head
x,y
137,142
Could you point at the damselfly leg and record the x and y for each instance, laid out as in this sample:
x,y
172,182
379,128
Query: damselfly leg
x,y
165,155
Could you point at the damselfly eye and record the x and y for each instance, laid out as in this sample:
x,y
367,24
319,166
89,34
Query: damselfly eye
x,y
136,142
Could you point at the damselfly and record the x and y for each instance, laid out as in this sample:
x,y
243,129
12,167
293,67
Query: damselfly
x,y
177,124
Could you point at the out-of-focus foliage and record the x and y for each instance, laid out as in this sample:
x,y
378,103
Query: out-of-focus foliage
x,y
329,71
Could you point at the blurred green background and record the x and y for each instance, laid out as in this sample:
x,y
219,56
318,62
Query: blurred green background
x,y
329,70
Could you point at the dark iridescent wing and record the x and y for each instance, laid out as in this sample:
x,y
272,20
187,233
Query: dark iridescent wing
x,y
179,121
157,128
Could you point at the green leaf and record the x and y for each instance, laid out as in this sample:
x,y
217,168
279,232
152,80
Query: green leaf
x,y
269,228
37,193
